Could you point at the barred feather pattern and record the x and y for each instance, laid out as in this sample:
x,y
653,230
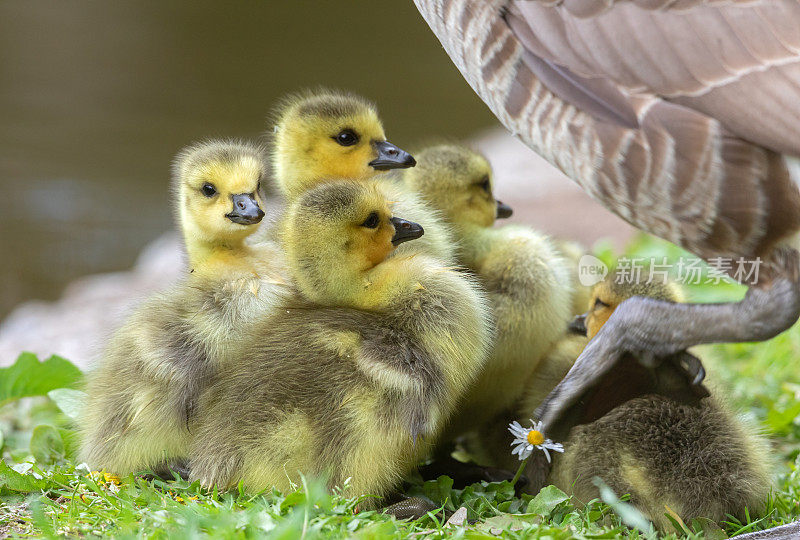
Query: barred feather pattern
x,y
667,147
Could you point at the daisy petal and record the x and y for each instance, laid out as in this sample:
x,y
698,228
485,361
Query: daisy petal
x,y
557,447
517,430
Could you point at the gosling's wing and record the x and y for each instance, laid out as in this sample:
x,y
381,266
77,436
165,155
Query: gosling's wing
x,y
642,117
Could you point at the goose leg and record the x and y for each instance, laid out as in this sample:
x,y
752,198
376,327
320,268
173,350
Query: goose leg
x,y
653,329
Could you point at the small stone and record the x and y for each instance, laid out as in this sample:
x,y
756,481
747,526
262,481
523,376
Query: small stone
x,y
458,518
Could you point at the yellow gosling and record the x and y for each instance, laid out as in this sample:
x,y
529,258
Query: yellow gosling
x,y
691,456
526,278
357,371
326,135
143,396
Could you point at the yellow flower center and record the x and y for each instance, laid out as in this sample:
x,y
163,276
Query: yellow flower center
x,y
535,437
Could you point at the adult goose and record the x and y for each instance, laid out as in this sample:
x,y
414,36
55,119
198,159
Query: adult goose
x,y
676,115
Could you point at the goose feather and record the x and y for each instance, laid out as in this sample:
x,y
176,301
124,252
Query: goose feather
x,y
674,114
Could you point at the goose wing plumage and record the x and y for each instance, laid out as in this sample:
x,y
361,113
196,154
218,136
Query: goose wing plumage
x,y
675,114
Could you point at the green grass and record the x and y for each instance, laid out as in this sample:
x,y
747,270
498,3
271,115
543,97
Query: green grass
x,y
43,492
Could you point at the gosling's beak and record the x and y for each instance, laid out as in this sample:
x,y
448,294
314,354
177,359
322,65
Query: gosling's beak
x,y
245,210
391,157
578,325
405,230
503,210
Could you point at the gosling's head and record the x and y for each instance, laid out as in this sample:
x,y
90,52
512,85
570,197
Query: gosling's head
x,y
612,291
328,135
335,234
216,190
459,183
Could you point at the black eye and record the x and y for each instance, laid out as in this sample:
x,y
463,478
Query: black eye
x,y
346,137
599,303
485,184
208,190
372,221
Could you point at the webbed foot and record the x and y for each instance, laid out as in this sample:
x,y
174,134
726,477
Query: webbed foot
x,y
610,371
691,365
410,508
166,471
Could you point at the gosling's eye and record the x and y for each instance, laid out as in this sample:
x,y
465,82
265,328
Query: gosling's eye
x,y
485,184
346,137
208,190
599,303
372,221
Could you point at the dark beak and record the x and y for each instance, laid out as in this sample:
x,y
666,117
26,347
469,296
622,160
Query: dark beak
x,y
578,325
405,230
245,210
503,210
391,157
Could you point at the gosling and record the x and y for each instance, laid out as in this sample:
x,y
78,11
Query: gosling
x,y
358,370
667,449
527,280
143,396
325,135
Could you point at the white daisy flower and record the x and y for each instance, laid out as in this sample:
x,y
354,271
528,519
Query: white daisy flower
x,y
526,439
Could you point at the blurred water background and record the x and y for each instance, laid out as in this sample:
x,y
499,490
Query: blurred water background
x,y
96,97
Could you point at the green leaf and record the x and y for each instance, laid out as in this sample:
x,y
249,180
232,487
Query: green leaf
x,y
71,402
501,491
28,377
439,490
16,481
46,444
71,440
711,531
676,521
546,501
508,522
41,520
293,499
779,421
510,507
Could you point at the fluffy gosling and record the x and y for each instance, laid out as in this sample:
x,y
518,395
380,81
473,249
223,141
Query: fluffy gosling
x,y
527,280
327,135
143,395
667,449
357,372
